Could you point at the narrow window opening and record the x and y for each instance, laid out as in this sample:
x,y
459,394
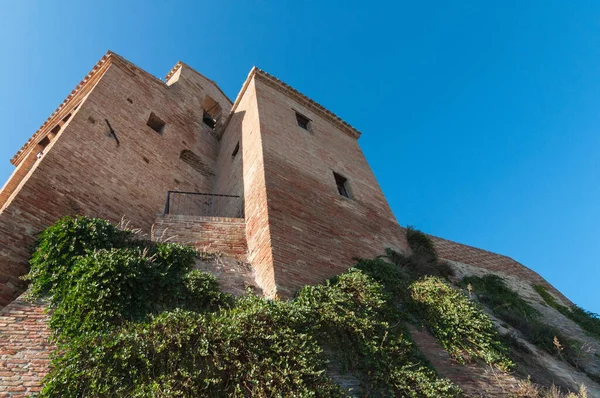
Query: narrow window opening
x,y
303,121
236,150
66,118
55,130
156,123
211,112
342,185
45,142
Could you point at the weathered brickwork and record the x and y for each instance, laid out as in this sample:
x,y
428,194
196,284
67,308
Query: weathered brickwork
x,y
24,348
88,170
258,235
207,234
494,263
315,232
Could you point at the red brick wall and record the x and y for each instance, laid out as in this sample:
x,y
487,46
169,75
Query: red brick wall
x,y
452,251
211,234
85,171
24,348
315,232
258,234
229,179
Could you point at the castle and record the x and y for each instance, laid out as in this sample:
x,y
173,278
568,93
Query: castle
x,y
272,178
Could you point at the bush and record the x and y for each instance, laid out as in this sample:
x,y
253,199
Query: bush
x,y
421,245
423,260
134,319
62,244
98,277
353,317
250,350
109,287
462,327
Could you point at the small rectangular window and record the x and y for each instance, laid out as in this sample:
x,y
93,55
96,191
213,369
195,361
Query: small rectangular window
x,y
156,123
303,121
236,150
342,185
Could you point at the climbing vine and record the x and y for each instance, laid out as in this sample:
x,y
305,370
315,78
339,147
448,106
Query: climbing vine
x,y
133,318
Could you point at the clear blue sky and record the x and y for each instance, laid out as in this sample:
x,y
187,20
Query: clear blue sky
x,y
480,119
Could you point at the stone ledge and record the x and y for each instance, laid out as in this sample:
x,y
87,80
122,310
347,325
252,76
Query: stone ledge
x,y
183,218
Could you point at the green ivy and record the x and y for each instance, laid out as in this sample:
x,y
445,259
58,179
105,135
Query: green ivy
x,y
421,245
62,244
251,350
492,291
353,317
588,321
134,319
461,326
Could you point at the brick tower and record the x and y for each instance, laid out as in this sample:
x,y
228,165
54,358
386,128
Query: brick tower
x,y
280,175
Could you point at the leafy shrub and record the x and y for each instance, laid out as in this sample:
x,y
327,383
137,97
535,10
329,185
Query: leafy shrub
x,y
462,327
98,276
133,319
250,350
511,308
393,279
588,321
352,315
419,265
423,260
421,245
108,287
62,244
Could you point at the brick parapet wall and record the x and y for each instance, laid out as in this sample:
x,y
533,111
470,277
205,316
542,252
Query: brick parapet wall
x,y
211,234
495,263
24,348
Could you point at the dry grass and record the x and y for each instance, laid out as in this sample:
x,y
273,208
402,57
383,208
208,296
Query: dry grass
x,y
528,389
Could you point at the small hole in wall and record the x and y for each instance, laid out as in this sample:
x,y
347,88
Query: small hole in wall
x,y
130,100
236,150
146,159
92,120
156,123
177,181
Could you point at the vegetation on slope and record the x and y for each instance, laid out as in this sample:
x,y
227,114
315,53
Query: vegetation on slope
x,y
512,309
133,319
588,321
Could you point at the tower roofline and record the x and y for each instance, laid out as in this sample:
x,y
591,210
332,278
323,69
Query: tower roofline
x,y
78,93
297,95
180,64
110,57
